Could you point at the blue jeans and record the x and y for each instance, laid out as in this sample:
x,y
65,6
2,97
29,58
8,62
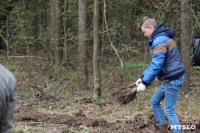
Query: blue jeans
x,y
168,91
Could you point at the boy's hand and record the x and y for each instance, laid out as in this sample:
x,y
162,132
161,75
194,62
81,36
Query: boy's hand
x,y
138,81
141,87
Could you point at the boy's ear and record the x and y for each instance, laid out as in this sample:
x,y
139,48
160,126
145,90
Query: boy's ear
x,y
150,27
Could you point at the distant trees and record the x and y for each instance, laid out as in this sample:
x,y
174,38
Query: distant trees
x,y
71,28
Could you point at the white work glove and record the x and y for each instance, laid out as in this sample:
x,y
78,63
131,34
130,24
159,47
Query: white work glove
x,y
138,81
141,87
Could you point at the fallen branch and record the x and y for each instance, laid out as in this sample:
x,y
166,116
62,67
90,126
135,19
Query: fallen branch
x,y
195,84
41,124
24,57
90,100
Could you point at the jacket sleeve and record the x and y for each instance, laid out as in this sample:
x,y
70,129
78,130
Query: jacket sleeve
x,y
158,58
154,68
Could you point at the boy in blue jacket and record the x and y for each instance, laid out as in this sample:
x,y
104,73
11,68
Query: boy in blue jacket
x,y
167,66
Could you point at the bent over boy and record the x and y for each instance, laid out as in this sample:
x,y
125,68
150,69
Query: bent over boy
x,y
167,66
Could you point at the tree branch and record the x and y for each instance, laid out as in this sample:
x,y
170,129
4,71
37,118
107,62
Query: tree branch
x,y
111,43
169,9
195,17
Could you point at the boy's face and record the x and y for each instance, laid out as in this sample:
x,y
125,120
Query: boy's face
x,y
147,31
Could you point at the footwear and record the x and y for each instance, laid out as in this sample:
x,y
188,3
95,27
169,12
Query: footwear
x,y
161,128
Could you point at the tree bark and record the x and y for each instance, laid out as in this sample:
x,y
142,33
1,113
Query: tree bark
x,y
33,20
57,30
53,29
83,72
186,42
6,7
59,18
96,69
65,30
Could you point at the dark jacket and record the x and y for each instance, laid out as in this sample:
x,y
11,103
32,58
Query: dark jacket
x,y
8,98
166,62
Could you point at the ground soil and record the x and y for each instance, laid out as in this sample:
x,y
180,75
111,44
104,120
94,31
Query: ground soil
x,y
80,120
125,94
34,97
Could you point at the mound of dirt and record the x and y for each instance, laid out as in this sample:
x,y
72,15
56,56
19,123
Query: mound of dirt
x,y
29,114
198,126
75,120
125,94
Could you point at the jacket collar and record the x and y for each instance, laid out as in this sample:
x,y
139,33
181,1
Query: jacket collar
x,y
160,30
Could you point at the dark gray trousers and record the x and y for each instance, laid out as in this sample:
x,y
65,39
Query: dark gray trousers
x,y
8,98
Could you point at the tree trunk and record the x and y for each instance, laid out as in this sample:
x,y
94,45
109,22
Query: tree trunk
x,y
102,26
59,47
83,74
43,17
65,30
186,42
57,30
53,29
96,69
5,7
33,20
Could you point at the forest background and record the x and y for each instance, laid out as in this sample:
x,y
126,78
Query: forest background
x,y
63,52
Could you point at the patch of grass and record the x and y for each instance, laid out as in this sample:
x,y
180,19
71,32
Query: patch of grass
x,y
14,67
30,129
65,127
20,101
72,108
196,67
18,128
73,76
119,124
133,70
136,65
188,105
132,108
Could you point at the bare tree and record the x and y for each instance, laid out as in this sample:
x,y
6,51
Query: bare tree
x,y
53,27
83,74
186,42
6,7
57,30
33,19
59,19
96,69
65,29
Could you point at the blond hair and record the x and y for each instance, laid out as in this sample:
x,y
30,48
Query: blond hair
x,y
146,21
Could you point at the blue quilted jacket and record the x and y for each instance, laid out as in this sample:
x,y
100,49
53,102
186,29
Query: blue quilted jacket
x,y
166,62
